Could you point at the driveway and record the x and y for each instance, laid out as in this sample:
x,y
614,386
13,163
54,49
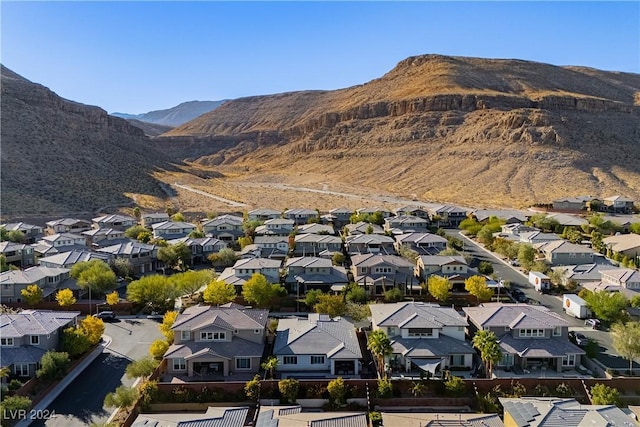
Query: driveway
x,y
81,403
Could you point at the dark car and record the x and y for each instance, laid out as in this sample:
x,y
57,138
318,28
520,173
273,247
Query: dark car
x,y
107,316
518,295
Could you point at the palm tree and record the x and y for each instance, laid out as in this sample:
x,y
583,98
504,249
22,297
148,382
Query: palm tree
x,y
487,344
380,346
270,365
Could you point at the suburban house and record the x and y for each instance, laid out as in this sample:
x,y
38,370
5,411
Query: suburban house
x,y
362,228
623,277
405,224
369,244
447,216
263,214
67,225
338,217
170,230
370,211
215,416
568,220
143,257
537,236
530,337
31,232
319,346
18,254
97,237
561,252
28,335
454,268
379,273
618,204
60,240
305,273
560,411
412,211
200,247
571,203
301,215
147,220
625,244
293,416
422,243
582,273
315,244
440,419
515,230
509,216
276,226
12,282
424,337
315,228
69,259
119,222
624,222
270,246
243,269
224,227
219,341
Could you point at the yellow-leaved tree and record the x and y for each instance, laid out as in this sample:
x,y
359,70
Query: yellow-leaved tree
x,y
65,297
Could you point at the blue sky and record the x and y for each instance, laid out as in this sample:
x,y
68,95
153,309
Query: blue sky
x,y
139,56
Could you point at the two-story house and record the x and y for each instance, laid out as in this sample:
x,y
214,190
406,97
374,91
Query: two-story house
x,y
625,244
26,336
18,254
143,257
412,211
379,273
316,244
577,204
422,243
271,246
200,247
263,214
147,220
454,268
275,227
31,232
385,213
447,215
70,258
406,224
243,269
301,215
338,217
509,216
305,273
224,227
618,204
623,277
223,340
61,240
67,225
361,228
117,221
319,346
100,237
561,252
49,279
536,236
315,228
530,337
369,244
424,337
170,230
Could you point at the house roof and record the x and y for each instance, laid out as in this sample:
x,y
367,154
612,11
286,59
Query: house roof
x,y
20,226
430,348
539,236
430,419
441,260
237,347
618,199
129,248
34,322
370,260
199,241
372,210
223,219
155,215
341,210
261,240
292,416
513,315
68,222
281,221
173,225
623,242
62,236
30,275
317,238
19,355
420,238
8,246
368,239
447,209
201,316
415,315
73,257
567,219
535,347
555,412
214,417
114,218
622,275
362,227
102,232
229,277
315,229
483,214
319,334
405,220
583,272
257,263
301,211
562,247
264,211
308,261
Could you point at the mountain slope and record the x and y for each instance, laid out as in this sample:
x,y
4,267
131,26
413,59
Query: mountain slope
x,y
470,130
60,156
174,116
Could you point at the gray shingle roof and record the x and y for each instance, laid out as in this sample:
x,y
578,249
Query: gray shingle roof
x,y
370,260
34,322
23,354
537,347
430,347
30,275
418,314
128,248
237,347
200,316
525,316
73,257
223,219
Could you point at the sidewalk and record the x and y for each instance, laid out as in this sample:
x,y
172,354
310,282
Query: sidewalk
x,y
68,379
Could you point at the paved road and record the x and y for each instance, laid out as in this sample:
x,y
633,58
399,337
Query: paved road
x,y
82,402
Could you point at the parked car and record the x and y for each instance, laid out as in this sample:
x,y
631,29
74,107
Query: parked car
x,y
579,339
594,323
107,316
518,295
514,262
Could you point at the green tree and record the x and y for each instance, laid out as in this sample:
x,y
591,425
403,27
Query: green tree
x,y
53,366
137,214
218,293
252,388
487,344
477,286
270,365
357,294
176,256
337,391
122,267
635,228
338,259
146,237
439,287
418,388
177,217
141,368
245,241
155,291
608,306
626,341
168,320
333,305
455,386
93,328
133,231
380,346
311,298
602,394
11,407
289,389
357,312
526,255
4,265
190,282
485,267
393,295
406,252
32,294
15,236
259,291
123,397
74,342
65,297
196,234
225,258
95,275
385,387
158,348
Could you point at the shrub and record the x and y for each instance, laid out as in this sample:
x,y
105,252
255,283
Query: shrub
x,y
604,395
289,389
148,392
375,418
10,407
455,386
14,384
385,388
123,396
54,366
252,388
564,390
337,391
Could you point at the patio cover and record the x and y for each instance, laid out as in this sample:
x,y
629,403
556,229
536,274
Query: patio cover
x,y
428,365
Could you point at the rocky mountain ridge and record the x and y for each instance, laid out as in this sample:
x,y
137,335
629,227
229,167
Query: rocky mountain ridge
x,y
174,116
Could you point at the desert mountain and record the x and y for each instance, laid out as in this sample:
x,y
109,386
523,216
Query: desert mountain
x,y
60,156
467,130
150,129
174,116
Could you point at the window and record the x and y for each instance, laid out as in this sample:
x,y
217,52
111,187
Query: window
x,y
534,333
382,270
392,331
35,339
420,332
179,364
569,360
290,360
22,369
185,335
243,363
457,360
213,336
6,342
507,360
557,331
317,360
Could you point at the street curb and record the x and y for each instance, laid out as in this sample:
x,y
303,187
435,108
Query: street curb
x,y
494,255
68,379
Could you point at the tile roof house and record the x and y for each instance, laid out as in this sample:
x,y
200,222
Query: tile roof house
x,y
243,269
64,240
338,217
378,273
119,222
582,273
26,336
201,247
67,225
276,226
68,259
624,244
49,279
618,204
305,273
558,411
425,337
369,244
455,268
301,215
561,252
224,227
147,220
102,236
263,214
447,215
362,228
143,257
169,230
31,232
317,346
422,243
530,337
406,224
18,254
314,244
624,277
572,203
221,340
